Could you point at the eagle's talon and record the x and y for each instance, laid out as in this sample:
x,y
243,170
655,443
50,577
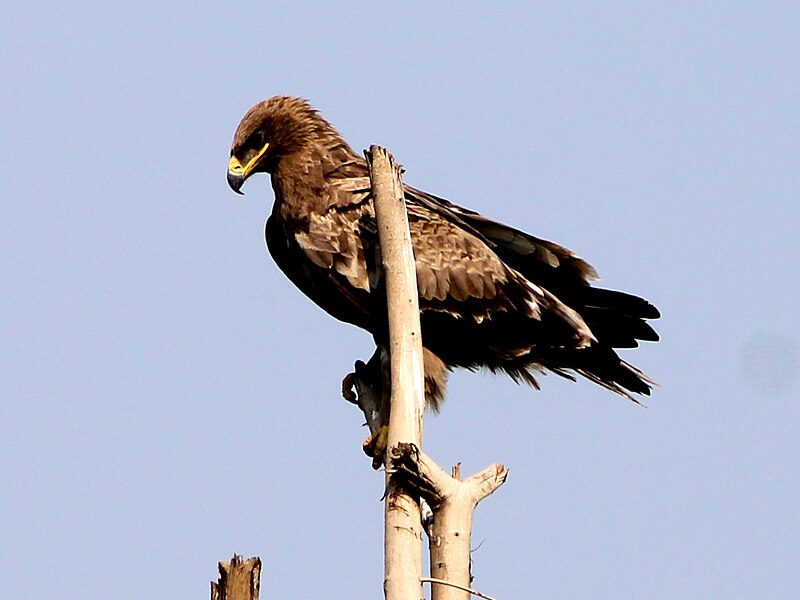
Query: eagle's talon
x,y
375,446
348,388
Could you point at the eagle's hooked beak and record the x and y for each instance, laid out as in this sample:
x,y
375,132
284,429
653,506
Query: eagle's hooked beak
x,y
235,178
238,173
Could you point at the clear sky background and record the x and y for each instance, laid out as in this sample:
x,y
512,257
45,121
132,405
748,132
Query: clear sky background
x,y
168,398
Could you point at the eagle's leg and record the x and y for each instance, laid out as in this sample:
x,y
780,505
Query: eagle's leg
x,y
365,388
375,445
369,387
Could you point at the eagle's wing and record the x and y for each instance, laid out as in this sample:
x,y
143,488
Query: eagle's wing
x,y
617,318
506,241
458,272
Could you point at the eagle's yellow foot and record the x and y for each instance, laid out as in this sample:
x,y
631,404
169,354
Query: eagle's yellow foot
x,y
375,446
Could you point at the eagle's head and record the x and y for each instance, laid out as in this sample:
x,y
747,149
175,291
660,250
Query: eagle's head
x,y
270,131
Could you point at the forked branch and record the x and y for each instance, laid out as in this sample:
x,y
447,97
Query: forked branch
x,y
410,474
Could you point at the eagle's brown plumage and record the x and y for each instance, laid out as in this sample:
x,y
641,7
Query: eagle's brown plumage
x,y
490,295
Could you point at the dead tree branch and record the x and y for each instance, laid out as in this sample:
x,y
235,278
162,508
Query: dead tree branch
x,y
453,502
403,532
410,474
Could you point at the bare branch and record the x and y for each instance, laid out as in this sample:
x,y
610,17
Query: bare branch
x,y
453,503
410,474
403,534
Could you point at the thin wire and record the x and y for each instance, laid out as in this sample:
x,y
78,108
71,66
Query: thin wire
x,y
455,585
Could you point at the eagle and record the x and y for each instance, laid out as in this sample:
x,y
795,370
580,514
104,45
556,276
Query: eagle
x,y
490,295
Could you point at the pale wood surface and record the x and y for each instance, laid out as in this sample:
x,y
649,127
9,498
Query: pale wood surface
x,y
403,530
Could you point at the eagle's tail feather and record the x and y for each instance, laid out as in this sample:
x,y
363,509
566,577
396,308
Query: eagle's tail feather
x,y
599,364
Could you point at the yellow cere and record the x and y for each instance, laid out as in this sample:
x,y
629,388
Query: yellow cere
x,y
234,166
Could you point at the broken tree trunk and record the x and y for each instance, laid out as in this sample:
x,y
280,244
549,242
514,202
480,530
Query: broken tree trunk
x,y
239,579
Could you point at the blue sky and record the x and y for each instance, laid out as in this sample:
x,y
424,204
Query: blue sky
x,y
169,398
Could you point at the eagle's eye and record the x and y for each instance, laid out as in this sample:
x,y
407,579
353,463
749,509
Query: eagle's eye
x,y
256,140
